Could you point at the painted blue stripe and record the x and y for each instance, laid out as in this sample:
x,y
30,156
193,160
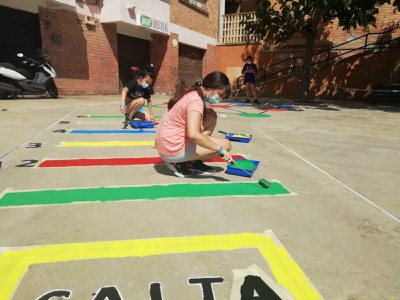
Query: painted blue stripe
x,y
111,131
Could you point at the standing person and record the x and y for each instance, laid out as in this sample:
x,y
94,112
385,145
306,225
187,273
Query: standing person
x,y
134,95
183,137
250,70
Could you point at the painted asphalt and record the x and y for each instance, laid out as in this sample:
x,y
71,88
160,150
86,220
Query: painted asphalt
x,y
327,227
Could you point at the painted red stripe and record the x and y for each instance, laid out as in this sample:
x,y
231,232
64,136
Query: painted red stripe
x,y
116,161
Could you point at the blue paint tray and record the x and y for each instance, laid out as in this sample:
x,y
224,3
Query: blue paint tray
x,y
248,165
238,137
141,124
282,106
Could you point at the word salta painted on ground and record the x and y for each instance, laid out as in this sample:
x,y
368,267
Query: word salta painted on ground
x,y
253,287
289,281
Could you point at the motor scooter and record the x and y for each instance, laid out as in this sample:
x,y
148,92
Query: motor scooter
x,y
17,81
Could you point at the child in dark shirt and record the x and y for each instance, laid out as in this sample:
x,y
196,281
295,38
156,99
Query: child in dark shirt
x,y
134,95
250,70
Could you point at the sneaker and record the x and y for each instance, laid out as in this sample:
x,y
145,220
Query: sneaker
x,y
198,167
179,169
256,101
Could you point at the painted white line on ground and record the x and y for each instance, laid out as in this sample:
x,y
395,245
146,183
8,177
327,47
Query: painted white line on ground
x,y
372,203
23,144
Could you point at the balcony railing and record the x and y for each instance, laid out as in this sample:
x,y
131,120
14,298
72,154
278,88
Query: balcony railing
x,y
233,30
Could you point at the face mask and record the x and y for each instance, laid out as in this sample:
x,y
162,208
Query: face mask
x,y
249,61
144,85
213,99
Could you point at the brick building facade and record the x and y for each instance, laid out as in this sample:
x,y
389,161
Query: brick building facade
x,y
231,57
86,55
92,44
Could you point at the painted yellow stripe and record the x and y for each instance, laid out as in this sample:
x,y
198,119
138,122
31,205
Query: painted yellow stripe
x,y
107,144
15,263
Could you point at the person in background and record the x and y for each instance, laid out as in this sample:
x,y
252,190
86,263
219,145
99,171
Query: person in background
x,y
249,71
183,137
134,96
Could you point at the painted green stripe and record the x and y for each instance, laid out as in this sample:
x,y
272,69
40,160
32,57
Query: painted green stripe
x,y
107,117
258,115
151,192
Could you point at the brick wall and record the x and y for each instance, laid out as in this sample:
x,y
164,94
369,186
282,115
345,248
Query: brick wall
x,y
210,60
86,58
386,19
357,72
332,34
190,63
188,17
364,72
230,59
165,57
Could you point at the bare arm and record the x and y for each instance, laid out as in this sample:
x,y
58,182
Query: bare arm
x,y
194,132
152,119
124,93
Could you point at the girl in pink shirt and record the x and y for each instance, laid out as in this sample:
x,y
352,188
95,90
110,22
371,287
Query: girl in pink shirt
x,y
183,136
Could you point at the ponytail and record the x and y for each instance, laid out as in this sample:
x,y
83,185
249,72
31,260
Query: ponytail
x,y
215,80
181,89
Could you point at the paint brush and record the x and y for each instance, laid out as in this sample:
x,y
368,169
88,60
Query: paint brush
x,y
261,181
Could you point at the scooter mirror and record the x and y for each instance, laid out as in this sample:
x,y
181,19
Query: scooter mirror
x,y
20,55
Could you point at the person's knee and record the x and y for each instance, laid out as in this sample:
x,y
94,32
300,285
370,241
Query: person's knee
x,y
138,104
210,121
228,145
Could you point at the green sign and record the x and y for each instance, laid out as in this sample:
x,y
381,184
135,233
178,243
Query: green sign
x,y
146,21
155,24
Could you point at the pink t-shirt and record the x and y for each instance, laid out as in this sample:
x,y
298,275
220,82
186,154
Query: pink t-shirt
x,y
171,137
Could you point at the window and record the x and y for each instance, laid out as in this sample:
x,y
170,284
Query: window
x,y
197,4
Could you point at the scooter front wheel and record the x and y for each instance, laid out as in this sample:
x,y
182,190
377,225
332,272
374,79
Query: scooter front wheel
x,y
53,90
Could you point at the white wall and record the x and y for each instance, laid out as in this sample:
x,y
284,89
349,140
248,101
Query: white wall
x,y
135,31
117,10
192,38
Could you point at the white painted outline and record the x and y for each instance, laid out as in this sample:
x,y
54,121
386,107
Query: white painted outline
x,y
240,274
370,202
56,290
108,286
161,290
201,286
